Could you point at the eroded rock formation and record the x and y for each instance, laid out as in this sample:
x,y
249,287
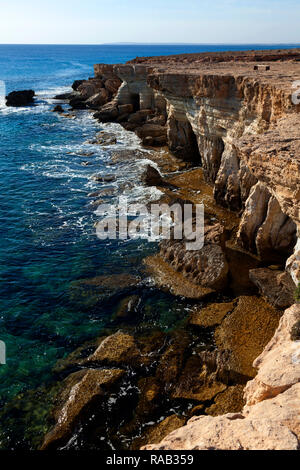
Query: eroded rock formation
x,y
270,419
240,124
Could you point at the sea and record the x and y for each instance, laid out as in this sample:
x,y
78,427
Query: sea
x,y
48,238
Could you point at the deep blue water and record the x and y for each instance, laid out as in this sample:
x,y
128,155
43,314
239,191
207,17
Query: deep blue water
x,y
47,227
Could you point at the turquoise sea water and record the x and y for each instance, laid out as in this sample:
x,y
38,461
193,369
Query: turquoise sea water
x,y
47,227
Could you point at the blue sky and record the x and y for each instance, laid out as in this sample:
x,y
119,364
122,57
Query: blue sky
x,y
190,21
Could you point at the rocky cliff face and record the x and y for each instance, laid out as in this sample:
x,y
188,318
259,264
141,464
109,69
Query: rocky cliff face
x,y
270,419
240,124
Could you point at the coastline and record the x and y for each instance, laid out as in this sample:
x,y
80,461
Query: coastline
x,y
213,383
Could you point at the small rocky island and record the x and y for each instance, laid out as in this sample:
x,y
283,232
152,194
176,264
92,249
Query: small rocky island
x,y
224,131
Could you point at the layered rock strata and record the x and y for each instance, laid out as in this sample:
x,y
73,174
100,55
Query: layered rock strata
x,y
240,124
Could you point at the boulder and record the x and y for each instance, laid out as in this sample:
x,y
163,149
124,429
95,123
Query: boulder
x,y
157,133
139,117
196,382
63,96
104,138
245,332
211,315
278,365
112,85
94,384
117,349
152,177
206,267
125,109
97,100
76,84
20,98
77,102
229,401
276,286
103,178
58,109
155,433
89,88
108,113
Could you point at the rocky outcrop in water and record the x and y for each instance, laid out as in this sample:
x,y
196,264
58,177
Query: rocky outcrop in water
x,y
20,98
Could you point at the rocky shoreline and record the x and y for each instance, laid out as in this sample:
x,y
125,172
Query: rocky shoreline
x,y
240,126
222,134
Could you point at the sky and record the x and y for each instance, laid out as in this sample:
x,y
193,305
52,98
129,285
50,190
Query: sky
x,y
153,21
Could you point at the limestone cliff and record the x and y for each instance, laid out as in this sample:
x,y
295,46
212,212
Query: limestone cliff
x,y
240,124
270,419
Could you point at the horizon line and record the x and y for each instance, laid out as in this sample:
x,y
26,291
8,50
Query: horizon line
x,y
159,44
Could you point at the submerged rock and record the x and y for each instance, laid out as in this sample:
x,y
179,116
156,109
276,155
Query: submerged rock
x,y
91,291
20,98
196,382
94,384
128,307
103,178
58,109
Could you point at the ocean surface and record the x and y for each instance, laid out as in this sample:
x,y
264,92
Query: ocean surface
x,y
48,238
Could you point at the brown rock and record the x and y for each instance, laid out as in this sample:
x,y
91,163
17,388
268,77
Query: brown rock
x,y
108,113
278,365
117,349
149,398
159,431
128,307
211,315
97,100
140,116
196,383
152,130
276,286
229,401
166,278
152,177
172,361
94,384
89,88
206,267
112,85
246,331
